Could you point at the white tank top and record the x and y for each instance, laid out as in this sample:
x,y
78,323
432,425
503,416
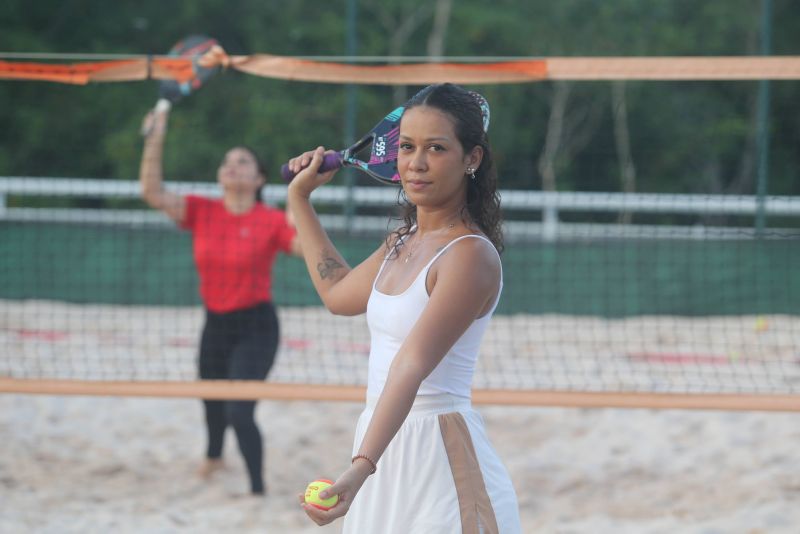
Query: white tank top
x,y
391,317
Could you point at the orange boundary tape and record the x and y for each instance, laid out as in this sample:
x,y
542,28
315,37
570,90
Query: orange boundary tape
x,y
250,390
180,70
556,68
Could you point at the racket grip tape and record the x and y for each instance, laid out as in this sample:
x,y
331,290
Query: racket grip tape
x,y
162,106
331,161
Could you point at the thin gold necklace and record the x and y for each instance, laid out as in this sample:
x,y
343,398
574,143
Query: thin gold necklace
x,y
416,244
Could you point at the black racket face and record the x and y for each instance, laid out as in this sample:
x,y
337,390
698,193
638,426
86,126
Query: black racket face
x,y
376,152
193,47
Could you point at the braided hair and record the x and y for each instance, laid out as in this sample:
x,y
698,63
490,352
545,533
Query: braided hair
x,y
470,115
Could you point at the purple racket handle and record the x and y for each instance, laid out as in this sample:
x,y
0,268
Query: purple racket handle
x,y
331,161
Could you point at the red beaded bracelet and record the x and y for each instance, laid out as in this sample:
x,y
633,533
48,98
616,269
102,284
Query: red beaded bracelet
x,y
371,463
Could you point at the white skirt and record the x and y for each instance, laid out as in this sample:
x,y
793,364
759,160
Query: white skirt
x,y
439,475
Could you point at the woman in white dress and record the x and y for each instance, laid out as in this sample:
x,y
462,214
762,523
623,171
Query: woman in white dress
x,y
421,461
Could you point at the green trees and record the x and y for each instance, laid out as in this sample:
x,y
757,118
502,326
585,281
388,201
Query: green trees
x,y
643,136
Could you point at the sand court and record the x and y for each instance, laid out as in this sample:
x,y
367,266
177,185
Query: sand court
x,y
99,464
93,464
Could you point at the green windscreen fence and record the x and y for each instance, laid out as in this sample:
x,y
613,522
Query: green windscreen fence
x,y
608,278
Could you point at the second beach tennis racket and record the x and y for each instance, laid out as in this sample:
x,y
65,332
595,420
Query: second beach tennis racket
x,y
375,153
171,91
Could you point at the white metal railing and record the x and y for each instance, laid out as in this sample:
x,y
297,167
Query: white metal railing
x,y
550,203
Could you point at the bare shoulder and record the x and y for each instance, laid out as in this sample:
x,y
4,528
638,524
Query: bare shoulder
x,y
471,252
474,245
471,263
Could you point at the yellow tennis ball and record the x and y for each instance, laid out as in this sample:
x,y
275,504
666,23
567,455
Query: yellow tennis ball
x,y
312,494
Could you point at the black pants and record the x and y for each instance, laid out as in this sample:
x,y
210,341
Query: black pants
x,y
238,345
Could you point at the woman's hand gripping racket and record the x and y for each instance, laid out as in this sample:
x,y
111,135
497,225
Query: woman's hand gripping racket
x,y
374,154
171,91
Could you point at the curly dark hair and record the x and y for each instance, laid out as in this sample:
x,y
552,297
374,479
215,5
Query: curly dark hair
x,y
483,200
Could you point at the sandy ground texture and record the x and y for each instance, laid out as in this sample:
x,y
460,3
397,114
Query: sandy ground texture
x,y
95,464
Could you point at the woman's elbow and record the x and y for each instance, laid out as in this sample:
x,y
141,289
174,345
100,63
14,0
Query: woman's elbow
x,y
409,371
344,307
296,248
339,309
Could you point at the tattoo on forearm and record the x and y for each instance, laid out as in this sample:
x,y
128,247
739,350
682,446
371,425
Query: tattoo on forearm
x,y
328,265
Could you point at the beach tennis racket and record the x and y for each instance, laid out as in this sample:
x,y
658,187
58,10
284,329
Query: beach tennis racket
x,y
375,153
171,91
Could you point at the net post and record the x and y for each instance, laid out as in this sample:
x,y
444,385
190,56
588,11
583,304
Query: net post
x,y
762,174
